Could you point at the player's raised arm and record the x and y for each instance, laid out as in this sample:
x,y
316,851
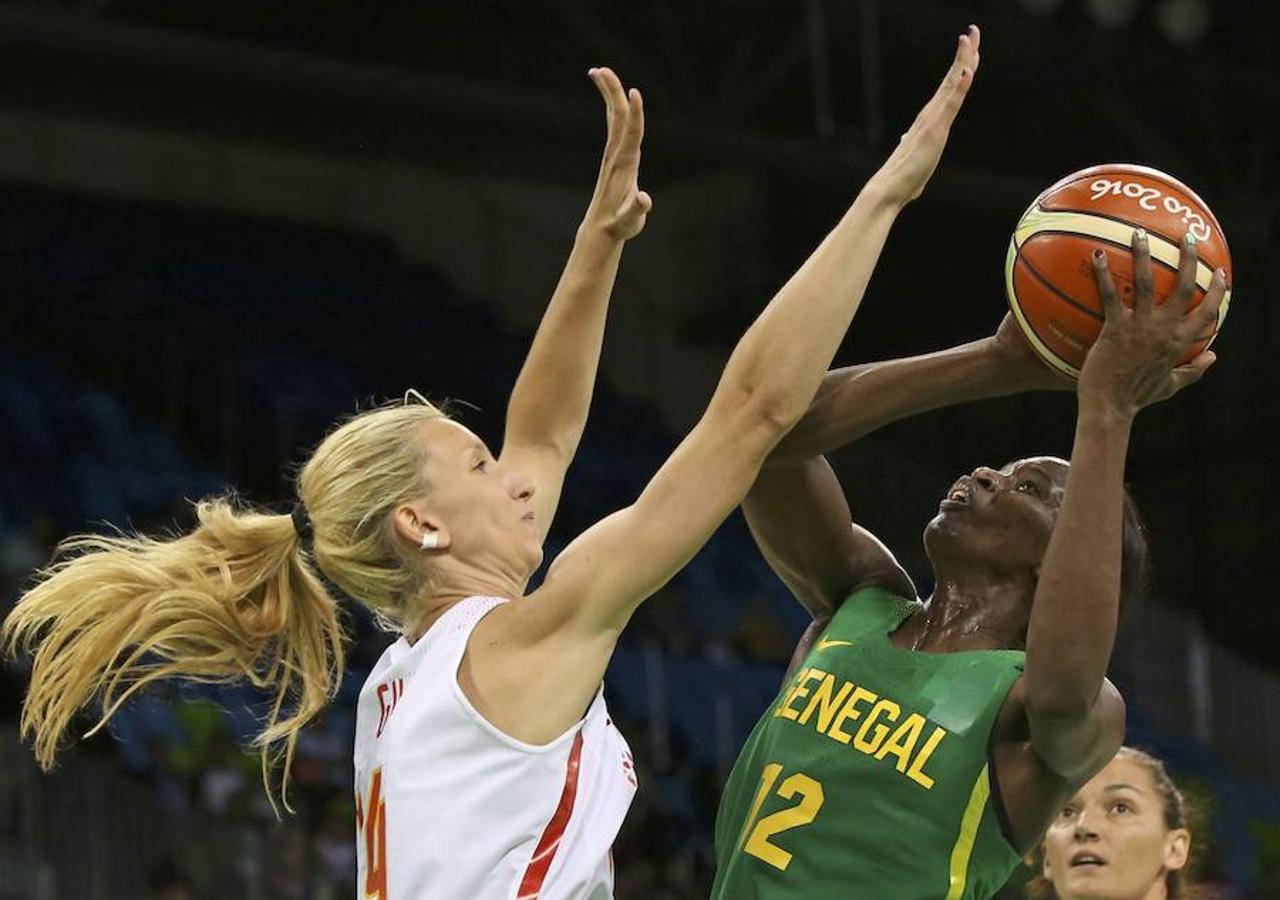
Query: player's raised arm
x,y
857,400
1076,720
797,509
766,387
548,408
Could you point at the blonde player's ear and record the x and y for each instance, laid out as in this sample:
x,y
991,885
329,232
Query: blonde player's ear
x,y
413,523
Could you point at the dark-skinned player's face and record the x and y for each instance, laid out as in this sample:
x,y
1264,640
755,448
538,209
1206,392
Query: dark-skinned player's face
x,y
999,519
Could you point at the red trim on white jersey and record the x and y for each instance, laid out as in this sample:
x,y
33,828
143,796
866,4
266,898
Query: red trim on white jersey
x,y
531,884
472,813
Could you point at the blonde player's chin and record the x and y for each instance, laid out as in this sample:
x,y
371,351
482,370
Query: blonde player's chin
x,y
533,555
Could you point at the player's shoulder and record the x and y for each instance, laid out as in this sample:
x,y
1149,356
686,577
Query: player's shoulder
x,y
878,567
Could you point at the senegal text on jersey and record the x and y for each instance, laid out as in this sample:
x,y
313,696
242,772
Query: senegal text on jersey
x,y
873,737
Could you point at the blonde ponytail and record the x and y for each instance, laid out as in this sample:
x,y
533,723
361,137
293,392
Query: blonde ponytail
x,y
233,599
236,598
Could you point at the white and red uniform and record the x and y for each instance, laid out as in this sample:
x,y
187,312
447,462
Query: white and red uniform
x,y
450,808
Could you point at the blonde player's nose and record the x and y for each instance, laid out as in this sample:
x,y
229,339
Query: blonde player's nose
x,y
522,488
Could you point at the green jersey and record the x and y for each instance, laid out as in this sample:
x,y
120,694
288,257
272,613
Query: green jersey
x,y
868,775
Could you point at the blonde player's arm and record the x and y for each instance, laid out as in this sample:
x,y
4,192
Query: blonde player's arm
x,y
548,653
548,408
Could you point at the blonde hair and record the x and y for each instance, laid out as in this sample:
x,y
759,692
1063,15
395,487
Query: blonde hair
x,y
235,598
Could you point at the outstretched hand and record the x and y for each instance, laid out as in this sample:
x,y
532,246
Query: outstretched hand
x,y
903,176
618,206
1134,361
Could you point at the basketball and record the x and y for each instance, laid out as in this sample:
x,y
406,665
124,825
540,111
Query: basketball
x,y
1048,273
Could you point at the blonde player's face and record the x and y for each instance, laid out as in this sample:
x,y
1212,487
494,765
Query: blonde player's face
x,y
1110,841
485,507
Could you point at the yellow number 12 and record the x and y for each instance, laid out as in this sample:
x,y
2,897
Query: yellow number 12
x,y
802,813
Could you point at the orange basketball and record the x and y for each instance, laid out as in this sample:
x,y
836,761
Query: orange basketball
x,y
1048,274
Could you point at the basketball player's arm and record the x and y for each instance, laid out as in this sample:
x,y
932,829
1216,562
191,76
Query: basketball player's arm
x,y
767,385
800,519
533,666
548,408
857,400
797,509
1076,717
603,575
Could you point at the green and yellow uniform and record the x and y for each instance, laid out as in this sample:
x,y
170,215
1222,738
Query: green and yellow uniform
x,y
868,776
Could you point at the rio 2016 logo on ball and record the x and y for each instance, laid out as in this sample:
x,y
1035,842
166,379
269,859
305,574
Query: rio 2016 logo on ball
x,y
1048,275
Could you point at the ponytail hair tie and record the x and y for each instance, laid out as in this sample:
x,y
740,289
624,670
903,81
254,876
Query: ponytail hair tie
x,y
301,521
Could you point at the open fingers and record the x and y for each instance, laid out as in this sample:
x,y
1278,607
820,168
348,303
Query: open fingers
x,y
965,62
1106,285
1185,290
1143,279
1189,374
634,131
610,87
1204,317
951,93
617,201
625,111
615,100
944,105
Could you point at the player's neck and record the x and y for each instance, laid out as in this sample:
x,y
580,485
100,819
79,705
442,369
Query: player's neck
x,y
452,584
972,611
1159,889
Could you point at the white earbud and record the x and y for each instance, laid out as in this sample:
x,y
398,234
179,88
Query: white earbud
x,y
430,540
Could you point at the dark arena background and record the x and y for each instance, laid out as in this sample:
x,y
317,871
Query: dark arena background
x,y
225,225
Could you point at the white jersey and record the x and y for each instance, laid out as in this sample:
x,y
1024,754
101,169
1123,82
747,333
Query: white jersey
x,y
450,808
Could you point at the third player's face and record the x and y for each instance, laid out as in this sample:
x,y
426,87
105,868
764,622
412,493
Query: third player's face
x,y
486,508
1110,841
1001,518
